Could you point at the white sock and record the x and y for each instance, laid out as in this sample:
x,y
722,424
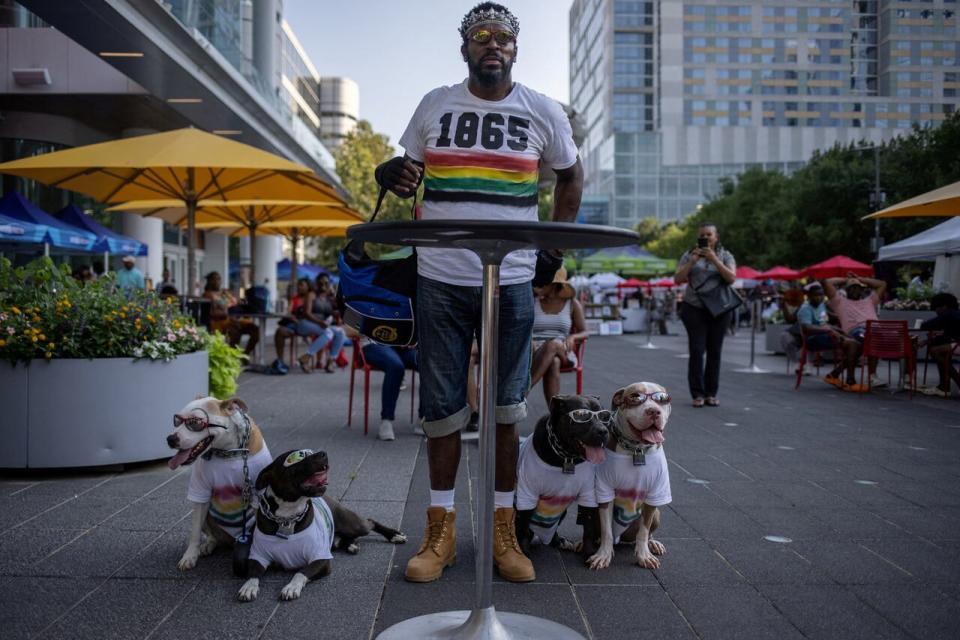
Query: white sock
x,y
442,499
503,499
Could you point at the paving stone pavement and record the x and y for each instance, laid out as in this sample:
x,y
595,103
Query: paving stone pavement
x,y
866,490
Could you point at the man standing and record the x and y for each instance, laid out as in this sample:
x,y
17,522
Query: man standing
x,y
129,278
478,147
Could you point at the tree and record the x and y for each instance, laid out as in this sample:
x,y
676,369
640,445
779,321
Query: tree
x,y
358,156
674,239
648,230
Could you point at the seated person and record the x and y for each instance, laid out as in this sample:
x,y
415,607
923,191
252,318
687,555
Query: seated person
x,y
863,295
233,329
821,336
941,346
394,362
319,319
791,301
558,324
168,291
289,324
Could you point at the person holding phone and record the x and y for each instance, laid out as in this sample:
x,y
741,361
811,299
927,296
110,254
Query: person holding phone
x,y
702,268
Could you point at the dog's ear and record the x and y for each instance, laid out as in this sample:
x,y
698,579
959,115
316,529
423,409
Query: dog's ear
x,y
266,476
617,399
230,405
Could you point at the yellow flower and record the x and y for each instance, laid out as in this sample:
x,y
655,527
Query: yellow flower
x,y
123,316
42,337
15,310
50,346
150,318
33,339
3,343
48,355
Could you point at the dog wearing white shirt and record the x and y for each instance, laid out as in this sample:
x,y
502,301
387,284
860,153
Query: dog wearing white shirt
x,y
214,436
633,480
298,526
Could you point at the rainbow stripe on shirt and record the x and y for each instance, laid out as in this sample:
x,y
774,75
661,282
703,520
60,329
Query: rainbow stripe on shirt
x,y
481,176
550,509
226,506
626,505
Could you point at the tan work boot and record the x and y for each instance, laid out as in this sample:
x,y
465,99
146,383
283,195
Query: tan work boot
x,y
510,561
438,549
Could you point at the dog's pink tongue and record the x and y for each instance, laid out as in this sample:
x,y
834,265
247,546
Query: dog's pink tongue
x,y
652,435
178,459
596,455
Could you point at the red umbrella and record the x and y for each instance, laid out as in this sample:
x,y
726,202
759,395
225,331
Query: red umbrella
x,y
837,267
662,282
779,273
632,283
748,273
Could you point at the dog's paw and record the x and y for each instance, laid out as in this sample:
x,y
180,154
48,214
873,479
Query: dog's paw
x,y
208,546
398,538
353,548
249,591
570,545
646,560
656,547
600,560
293,588
189,560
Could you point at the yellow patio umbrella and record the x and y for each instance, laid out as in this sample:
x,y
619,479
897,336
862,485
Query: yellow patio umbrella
x,y
185,165
942,202
251,216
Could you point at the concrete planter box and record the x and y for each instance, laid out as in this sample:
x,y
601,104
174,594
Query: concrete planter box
x,y
910,316
83,413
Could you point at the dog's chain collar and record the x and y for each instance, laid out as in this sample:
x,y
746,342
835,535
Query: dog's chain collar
x,y
570,461
639,451
285,526
242,450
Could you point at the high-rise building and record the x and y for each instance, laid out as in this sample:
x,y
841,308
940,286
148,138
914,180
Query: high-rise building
x,y
677,94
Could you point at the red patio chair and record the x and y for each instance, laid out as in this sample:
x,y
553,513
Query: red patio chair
x,y
581,352
359,362
818,354
889,340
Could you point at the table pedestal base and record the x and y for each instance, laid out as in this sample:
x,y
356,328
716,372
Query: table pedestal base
x,y
479,624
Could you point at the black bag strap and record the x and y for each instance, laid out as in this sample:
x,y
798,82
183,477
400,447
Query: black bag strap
x,y
380,198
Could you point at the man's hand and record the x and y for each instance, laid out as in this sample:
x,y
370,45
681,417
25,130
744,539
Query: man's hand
x,y
548,263
400,175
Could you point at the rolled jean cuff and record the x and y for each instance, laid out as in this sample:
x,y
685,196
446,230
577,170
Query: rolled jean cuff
x,y
511,413
445,426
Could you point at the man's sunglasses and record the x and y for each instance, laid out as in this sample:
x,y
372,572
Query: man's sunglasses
x,y
194,423
581,416
660,397
483,36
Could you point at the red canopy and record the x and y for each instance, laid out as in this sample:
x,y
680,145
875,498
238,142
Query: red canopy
x,y
662,282
779,273
748,273
631,283
837,267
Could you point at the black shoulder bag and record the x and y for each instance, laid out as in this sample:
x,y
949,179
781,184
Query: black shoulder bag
x,y
719,299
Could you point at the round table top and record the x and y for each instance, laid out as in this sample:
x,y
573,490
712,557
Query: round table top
x,y
492,235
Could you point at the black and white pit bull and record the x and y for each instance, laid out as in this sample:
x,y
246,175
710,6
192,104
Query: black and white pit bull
x,y
213,435
298,526
633,480
556,468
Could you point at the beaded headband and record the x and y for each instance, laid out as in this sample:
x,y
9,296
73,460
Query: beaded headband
x,y
474,17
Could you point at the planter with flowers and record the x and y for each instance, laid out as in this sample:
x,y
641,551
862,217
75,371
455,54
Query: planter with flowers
x,y
89,374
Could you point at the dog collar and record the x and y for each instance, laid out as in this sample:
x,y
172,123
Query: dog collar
x,y
570,461
285,526
242,421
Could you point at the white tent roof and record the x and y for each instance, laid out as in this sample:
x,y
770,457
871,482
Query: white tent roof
x,y
926,245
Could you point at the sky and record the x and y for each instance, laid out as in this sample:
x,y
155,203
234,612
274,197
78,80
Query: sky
x,y
398,51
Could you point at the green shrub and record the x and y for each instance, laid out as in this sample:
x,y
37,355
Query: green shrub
x,y
46,313
226,362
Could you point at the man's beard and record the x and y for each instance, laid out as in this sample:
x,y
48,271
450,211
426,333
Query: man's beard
x,y
490,77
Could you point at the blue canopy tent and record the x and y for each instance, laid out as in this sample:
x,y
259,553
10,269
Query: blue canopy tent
x,y
17,231
108,240
58,233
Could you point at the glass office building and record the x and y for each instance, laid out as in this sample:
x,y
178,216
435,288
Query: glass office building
x,y
677,94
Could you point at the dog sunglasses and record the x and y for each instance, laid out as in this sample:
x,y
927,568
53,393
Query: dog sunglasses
x,y
195,423
660,397
483,36
580,416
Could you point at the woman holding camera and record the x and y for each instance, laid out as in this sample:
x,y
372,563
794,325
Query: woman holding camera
x,y
703,268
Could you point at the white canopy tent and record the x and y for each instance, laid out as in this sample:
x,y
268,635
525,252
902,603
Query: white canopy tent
x,y
940,244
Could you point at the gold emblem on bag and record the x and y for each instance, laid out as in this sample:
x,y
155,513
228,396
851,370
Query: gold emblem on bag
x,y
384,333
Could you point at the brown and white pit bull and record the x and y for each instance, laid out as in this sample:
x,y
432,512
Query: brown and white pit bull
x,y
210,434
633,480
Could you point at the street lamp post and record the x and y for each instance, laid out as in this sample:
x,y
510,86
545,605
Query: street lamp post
x,y
877,197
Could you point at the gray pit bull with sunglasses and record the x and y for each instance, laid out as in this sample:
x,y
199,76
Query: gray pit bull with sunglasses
x,y
556,468
213,435
633,480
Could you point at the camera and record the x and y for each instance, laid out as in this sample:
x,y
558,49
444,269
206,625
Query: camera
x,y
702,243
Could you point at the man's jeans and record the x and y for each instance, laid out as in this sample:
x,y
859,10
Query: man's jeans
x,y
448,320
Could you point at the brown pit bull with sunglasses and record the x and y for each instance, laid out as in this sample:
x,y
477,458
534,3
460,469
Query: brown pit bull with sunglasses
x,y
216,437
633,480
